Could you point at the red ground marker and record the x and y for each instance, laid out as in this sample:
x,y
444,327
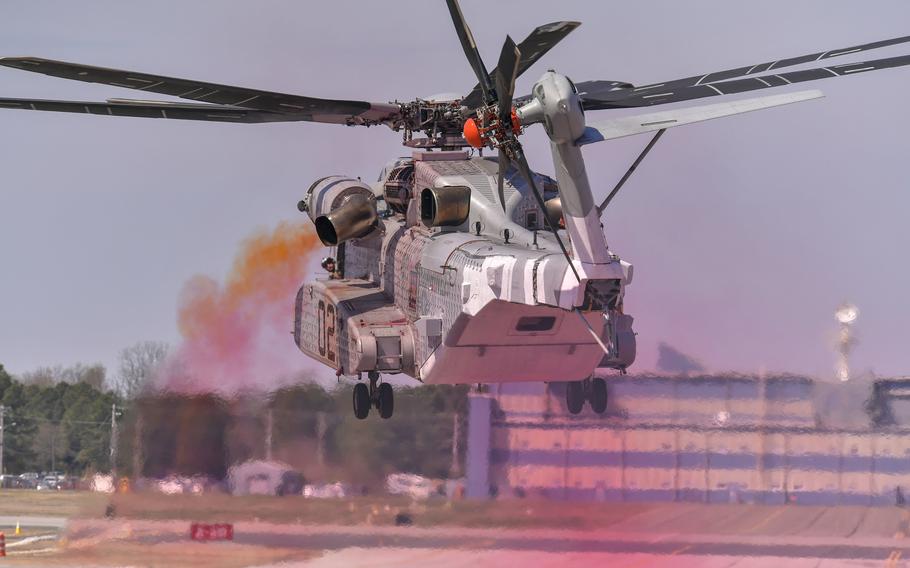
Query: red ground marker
x,y
205,532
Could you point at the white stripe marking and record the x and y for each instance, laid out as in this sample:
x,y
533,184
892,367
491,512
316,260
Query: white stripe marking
x,y
246,100
749,72
858,70
702,79
292,106
772,65
822,55
138,79
657,95
200,97
719,92
190,92
845,52
151,86
670,121
830,71
649,87
763,81
784,79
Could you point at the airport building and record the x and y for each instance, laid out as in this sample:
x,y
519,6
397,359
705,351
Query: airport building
x,y
746,439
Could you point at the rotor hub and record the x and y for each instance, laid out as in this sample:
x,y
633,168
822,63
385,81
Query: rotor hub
x,y
488,130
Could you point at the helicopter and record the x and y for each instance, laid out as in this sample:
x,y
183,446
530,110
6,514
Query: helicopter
x,y
453,267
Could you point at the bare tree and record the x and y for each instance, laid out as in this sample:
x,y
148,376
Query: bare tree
x,y
79,373
42,376
138,365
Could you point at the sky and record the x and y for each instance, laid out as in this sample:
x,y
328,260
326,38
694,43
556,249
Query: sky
x,y
746,233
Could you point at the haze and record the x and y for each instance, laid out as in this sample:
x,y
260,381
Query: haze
x,y
746,233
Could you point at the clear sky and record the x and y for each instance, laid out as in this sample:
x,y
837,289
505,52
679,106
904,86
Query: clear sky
x,y
746,233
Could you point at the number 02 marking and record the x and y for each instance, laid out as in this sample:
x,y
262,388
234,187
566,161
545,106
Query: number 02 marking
x,y
326,333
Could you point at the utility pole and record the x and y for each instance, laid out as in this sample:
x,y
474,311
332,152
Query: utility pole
x,y
268,435
455,469
320,438
138,458
2,426
114,442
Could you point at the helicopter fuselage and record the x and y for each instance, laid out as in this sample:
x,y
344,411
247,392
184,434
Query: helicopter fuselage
x,y
484,300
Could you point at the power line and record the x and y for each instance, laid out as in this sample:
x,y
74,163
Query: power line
x,y
57,421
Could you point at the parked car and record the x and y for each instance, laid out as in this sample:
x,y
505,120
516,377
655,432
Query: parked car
x,y
29,480
9,481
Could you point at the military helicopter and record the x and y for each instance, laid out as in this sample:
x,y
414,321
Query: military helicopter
x,y
454,267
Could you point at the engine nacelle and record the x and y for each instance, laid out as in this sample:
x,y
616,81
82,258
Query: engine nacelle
x,y
341,208
445,206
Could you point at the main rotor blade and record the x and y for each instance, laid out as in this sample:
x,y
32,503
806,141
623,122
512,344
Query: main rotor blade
x,y
316,110
659,96
504,163
532,48
765,67
618,127
506,72
471,52
526,173
150,109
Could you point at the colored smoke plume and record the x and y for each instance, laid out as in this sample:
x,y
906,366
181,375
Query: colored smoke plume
x,y
236,336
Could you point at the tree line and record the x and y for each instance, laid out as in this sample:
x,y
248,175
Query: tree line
x,y
56,426
59,419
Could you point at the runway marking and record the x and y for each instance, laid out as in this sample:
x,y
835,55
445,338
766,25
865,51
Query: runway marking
x,y
34,551
768,519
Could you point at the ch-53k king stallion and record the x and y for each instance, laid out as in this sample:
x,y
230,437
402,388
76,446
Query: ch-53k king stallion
x,y
454,267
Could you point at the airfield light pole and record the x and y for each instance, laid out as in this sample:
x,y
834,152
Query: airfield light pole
x,y
846,314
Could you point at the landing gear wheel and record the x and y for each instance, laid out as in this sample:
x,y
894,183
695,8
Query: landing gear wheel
x,y
598,395
386,400
575,396
361,401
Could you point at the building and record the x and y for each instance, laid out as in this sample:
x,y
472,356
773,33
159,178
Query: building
x,y
776,439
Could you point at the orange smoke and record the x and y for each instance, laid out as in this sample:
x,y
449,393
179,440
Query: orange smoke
x,y
237,336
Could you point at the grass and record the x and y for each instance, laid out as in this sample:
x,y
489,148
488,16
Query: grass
x,y
28,502
373,510
379,510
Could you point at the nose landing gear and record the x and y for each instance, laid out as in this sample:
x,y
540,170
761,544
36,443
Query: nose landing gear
x,y
594,390
380,396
